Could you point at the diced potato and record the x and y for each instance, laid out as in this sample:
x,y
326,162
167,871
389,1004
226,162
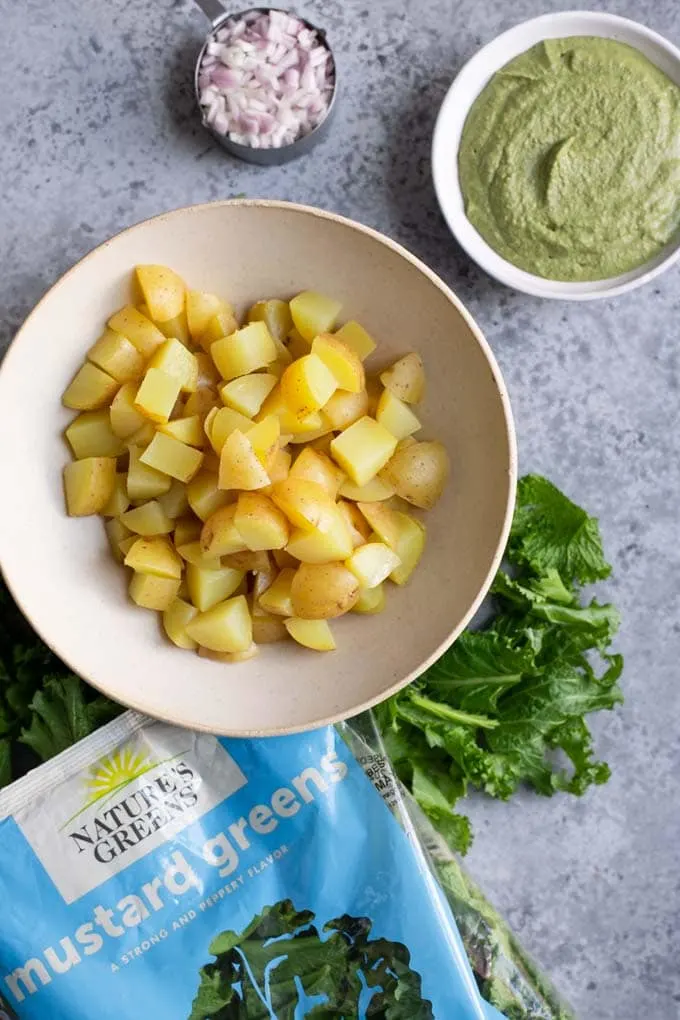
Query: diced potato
x,y
306,504
371,600
277,599
163,291
187,529
220,425
126,544
144,482
322,591
207,372
142,437
125,418
419,473
316,546
90,435
209,587
383,519
356,522
356,338
138,329
372,563
116,356
343,409
244,351
175,619
174,501
200,308
264,439
204,495
151,592
240,467
172,457
223,323
116,533
148,519
154,556
279,469
313,313
247,393
268,629
219,535
187,430
396,416
363,449
306,385
403,533
254,562
342,361
226,627
88,485
260,523
119,501
314,634
157,394
192,552
200,402
173,358
249,653
406,378
177,328
89,389
309,437
317,467
296,345
276,314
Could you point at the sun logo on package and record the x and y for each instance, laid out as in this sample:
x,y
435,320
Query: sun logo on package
x,y
111,775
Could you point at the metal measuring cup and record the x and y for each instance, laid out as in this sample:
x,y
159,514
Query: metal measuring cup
x,y
219,17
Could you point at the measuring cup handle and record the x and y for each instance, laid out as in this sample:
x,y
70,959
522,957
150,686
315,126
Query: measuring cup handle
x,y
212,9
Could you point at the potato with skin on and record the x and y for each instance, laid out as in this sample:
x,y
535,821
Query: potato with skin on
x,y
372,563
209,587
147,519
187,430
314,634
138,329
313,313
163,291
290,425
277,599
356,522
154,556
119,501
204,495
243,351
363,449
279,470
116,356
89,389
306,385
143,481
90,435
175,619
322,591
226,627
312,466
406,378
172,457
220,425
173,358
124,417
396,416
260,523
317,546
219,535
357,339
419,473
247,393
306,504
371,600
240,467
192,552
88,485
341,360
151,592
343,409
157,394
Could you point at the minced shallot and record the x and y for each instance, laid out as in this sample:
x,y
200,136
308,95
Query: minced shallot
x,y
265,80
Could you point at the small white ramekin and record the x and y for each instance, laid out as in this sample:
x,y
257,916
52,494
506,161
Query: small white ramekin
x,y
454,110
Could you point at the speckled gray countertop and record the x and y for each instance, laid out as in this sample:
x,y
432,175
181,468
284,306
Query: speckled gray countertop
x,y
99,132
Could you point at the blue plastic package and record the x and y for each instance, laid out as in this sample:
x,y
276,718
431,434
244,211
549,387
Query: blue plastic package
x,y
149,871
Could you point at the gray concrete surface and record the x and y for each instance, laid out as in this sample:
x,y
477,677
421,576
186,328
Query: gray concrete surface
x,y
98,131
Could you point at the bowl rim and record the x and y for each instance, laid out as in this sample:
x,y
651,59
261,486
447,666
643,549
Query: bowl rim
x,y
451,117
139,704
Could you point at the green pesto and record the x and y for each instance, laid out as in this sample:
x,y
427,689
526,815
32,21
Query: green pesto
x,y
569,160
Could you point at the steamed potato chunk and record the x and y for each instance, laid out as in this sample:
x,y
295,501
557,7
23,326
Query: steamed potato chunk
x,y
89,484
306,385
171,457
419,472
152,592
406,378
219,535
313,313
321,591
148,519
115,355
89,389
306,504
154,556
208,587
243,351
313,466
119,501
124,417
157,394
277,599
239,465
175,619
344,408
248,393
371,600
90,435
342,362
314,634
363,449
372,563
226,627
138,329
260,523
187,430
163,291
357,339
143,481
396,416
221,422
204,495
334,542
276,314
174,359
200,308
401,532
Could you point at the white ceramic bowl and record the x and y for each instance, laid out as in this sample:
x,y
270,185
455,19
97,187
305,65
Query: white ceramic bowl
x,y
60,570
452,116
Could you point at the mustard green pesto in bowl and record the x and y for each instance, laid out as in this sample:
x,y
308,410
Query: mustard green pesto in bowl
x,y
569,160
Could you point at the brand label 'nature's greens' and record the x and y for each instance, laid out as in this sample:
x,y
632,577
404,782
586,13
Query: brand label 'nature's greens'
x,y
569,160
154,872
